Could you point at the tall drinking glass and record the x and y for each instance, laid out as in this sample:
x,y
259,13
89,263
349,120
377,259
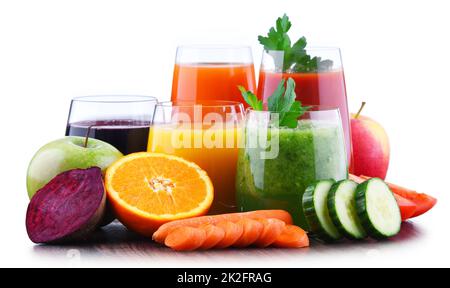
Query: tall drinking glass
x,y
206,133
320,82
212,73
276,165
122,121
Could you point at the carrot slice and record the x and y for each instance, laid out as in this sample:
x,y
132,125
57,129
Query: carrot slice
x,y
214,235
185,239
252,232
233,232
161,234
292,237
272,230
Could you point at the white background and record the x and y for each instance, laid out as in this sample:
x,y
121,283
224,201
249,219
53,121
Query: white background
x,y
396,56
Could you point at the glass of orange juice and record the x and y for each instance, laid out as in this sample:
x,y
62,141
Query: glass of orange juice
x,y
207,133
212,73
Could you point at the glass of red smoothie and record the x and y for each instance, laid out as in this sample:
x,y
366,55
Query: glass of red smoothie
x,y
319,77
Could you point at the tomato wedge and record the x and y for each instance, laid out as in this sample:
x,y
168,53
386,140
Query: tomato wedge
x,y
355,178
424,202
407,207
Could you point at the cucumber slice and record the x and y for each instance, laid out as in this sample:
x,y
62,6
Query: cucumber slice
x,y
343,212
316,211
378,209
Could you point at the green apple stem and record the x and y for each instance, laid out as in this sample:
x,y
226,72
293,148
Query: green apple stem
x,y
360,110
86,141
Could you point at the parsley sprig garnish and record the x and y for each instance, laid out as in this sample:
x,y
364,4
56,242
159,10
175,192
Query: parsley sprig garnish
x,y
296,58
282,102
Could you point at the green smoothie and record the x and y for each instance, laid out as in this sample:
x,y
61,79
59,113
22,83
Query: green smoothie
x,y
315,150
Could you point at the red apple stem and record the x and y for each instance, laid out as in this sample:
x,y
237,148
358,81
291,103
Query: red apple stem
x,y
86,141
360,110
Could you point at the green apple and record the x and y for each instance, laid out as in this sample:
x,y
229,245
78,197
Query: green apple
x,y
66,154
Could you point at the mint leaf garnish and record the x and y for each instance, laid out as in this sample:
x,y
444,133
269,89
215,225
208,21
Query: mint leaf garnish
x,y
282,102
277,39
290,119
274,101
285,104
251,99
296,58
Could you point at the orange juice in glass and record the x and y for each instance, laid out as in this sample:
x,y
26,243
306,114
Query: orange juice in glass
x,y
206,133
212,73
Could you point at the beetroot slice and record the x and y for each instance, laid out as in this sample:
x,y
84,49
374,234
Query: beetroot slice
x,y
68,208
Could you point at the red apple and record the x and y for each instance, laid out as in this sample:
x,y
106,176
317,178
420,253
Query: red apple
x,y
371,151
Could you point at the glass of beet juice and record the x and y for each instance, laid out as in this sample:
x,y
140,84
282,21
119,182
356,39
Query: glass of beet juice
x,y
319,78
123,121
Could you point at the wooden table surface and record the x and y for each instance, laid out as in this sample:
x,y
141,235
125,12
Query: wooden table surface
x,y
116,246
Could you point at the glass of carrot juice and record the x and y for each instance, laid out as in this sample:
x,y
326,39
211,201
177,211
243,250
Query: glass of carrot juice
x,y
212,73
207,133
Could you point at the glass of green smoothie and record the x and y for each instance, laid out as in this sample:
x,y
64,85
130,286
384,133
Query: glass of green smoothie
x,y
276,164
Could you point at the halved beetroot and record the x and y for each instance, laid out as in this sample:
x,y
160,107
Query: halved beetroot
x,y
68,208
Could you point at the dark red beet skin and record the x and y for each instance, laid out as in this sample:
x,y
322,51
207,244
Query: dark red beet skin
x,y
68,208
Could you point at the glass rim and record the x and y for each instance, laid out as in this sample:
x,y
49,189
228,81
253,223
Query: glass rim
x,y
319,109
214,47
312,48
203,103
115,98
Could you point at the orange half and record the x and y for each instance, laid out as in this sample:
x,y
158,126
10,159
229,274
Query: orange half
x,y
147,190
